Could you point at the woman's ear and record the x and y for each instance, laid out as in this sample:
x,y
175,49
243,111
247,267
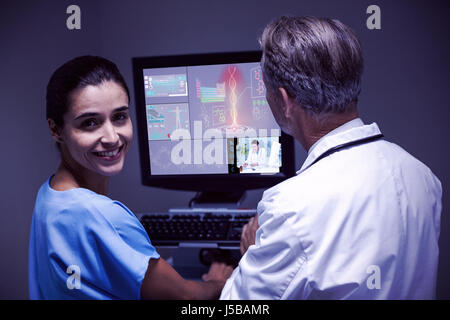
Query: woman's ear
x,y
54,130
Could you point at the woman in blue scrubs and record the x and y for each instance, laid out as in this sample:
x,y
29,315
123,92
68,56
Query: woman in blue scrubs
x,y
84,245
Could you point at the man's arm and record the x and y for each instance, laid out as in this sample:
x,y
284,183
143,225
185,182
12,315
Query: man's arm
x,y
270,259
162,281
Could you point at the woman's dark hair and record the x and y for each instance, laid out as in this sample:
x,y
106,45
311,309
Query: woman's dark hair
x,y
76,74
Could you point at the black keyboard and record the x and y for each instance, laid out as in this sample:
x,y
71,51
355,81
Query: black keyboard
x,y
221,230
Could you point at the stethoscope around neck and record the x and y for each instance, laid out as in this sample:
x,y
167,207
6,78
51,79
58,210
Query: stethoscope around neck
x,y
346,145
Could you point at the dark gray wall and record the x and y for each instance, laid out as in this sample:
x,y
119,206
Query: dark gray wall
x,y
33,42
405,88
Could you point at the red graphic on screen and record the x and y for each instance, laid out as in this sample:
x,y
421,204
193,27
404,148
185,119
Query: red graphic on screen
x,y
233,80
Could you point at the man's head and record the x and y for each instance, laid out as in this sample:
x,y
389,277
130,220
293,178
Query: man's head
x,y
317,61
255,145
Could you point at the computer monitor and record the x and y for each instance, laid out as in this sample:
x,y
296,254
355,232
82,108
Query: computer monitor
x,y
204,124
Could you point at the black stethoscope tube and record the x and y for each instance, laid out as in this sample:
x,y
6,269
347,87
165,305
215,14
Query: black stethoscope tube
x,y
345,145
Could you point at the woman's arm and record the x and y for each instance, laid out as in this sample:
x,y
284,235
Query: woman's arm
x,y
162,282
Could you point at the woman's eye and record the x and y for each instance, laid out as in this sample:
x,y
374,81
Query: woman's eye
x,y
120,116
90,123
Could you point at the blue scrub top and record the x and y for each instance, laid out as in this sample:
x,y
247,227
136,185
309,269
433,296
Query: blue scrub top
x,y
85,246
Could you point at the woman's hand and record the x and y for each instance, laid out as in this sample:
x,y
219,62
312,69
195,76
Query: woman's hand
x,y
218,271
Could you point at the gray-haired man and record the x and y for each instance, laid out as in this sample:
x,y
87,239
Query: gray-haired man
x,y
361,219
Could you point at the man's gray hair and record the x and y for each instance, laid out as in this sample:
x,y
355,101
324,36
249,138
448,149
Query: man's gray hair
x,y
318,61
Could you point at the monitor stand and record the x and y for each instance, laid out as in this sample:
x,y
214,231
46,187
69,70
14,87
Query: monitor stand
x,y
210,199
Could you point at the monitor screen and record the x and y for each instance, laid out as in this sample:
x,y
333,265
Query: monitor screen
x,y
204,122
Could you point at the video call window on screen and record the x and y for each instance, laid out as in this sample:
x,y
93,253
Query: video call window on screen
x,y
210,119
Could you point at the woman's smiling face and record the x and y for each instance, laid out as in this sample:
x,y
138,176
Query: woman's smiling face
x,y
97,129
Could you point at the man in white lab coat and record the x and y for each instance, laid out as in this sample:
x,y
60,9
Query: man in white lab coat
x,y
256,156
361,219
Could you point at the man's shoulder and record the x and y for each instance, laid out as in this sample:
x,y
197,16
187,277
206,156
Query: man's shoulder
x,y
350,171
293,194
388,158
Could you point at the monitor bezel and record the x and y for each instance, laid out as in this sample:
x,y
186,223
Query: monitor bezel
x,y
201,182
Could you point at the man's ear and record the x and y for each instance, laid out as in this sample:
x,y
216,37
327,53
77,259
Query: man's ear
x,y
54,130
288,102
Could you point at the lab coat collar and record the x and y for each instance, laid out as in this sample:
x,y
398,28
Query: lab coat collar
x,y
353,130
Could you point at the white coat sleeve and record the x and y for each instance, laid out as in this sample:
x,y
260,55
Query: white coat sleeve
x,y
267,268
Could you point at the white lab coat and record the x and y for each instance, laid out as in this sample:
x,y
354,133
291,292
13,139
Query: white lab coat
x,y
361,223
256,157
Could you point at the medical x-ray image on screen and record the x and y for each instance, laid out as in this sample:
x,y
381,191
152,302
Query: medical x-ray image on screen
x,y
203,119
